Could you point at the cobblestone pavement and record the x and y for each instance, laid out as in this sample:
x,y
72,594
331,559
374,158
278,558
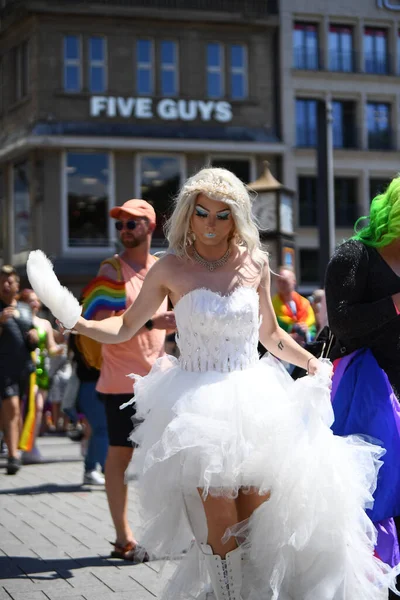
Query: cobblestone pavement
x,y
54,535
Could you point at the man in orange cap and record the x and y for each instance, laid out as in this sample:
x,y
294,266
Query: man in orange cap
x,y
135,222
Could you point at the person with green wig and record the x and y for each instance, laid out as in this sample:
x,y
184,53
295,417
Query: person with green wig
x,y
363,301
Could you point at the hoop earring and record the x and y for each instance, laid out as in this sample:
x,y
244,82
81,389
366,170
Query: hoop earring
x,y
191,237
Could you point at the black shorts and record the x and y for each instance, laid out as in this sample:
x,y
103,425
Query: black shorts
x,y
14,385
120,423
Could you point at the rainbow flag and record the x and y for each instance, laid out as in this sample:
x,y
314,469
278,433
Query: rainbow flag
x,y
287,319
103,293
28,429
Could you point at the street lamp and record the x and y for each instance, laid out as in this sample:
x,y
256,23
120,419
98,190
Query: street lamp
x,y
273,210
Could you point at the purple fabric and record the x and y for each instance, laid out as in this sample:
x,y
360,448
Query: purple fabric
x,y
364,403
387,546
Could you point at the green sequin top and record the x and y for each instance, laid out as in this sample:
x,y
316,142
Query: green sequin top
x,y
42,361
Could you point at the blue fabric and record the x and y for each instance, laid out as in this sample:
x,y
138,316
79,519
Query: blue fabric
x,y
93,409
364,403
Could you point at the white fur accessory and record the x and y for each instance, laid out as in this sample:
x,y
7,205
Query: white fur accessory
x,y
62,303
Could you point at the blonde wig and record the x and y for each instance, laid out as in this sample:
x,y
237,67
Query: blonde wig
x,y
222,185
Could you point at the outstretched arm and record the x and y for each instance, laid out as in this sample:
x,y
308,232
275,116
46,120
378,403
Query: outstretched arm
x,y
121,328
275,339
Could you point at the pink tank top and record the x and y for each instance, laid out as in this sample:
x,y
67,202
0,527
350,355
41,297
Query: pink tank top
x,y
136,355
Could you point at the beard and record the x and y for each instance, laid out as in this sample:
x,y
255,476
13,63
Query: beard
x,y
133,241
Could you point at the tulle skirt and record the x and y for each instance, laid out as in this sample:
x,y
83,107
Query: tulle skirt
x,y
257,429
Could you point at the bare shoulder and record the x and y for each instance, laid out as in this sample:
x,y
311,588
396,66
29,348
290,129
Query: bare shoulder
x,y
107,270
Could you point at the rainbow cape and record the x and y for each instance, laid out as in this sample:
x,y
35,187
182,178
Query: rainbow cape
x,y
304,313
103,293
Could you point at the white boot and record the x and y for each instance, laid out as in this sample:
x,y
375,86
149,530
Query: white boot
x,y
225,573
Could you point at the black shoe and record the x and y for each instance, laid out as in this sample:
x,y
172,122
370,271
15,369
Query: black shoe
x,y
13,465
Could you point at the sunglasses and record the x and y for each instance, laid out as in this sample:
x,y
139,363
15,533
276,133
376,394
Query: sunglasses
x,y
131,225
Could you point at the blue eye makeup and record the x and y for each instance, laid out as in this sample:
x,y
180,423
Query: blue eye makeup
x,y
200,212
224,216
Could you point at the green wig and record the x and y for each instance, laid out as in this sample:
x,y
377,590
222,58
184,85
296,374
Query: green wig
x,y
384,218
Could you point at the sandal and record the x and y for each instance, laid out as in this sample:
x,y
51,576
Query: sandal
x,y
131,551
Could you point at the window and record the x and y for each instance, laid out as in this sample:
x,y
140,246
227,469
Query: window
x,y
305,46
344,117
346,211
340,48
21,207
378,124
20,72
88,177
238,71
240,167
307,194
376,51
309,265
377,186
72,63
160,180
306,122
215,78
144,72
97,65
169,68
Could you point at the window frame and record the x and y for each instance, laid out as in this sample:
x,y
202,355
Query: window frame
x,y
377,131
305,282
375,55
139,66
137,179
220,69
310,204
86,250
303,65
98,63
24,252
344,179
308,130
347,130
72,62
169,67
230,156
341,34
244,71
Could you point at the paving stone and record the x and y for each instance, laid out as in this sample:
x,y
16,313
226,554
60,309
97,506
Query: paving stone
x,y
54,536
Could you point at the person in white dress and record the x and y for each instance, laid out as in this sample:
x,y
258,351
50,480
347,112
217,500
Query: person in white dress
x,y
231,451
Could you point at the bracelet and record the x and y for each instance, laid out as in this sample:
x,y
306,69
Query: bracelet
x,y
308,362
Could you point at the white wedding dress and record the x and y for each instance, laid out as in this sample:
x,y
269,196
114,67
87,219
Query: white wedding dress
x,y
220,419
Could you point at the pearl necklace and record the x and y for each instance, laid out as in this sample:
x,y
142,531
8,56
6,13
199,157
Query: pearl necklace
x,y
211,265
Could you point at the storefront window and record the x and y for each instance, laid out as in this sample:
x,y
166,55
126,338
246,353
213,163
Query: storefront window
x,y
88,179
21,207
240,167
160,179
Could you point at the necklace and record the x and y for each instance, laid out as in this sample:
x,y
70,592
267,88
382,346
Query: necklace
x,y
211,265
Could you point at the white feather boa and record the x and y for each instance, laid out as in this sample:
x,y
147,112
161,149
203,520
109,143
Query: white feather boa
x,y
62,303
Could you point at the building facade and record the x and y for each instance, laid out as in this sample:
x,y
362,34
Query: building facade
x,y
103,101
347,53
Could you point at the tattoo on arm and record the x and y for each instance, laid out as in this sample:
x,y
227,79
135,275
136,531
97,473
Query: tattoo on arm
x,y
280,345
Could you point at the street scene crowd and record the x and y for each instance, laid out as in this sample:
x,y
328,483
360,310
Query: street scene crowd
x,y
75,383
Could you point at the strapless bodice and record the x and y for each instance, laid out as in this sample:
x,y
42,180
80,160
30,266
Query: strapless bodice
x,y
218,332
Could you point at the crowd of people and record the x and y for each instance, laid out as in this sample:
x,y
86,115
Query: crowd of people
x,y
233,451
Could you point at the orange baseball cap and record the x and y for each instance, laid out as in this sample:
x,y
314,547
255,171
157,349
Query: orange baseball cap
x,y
136,208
